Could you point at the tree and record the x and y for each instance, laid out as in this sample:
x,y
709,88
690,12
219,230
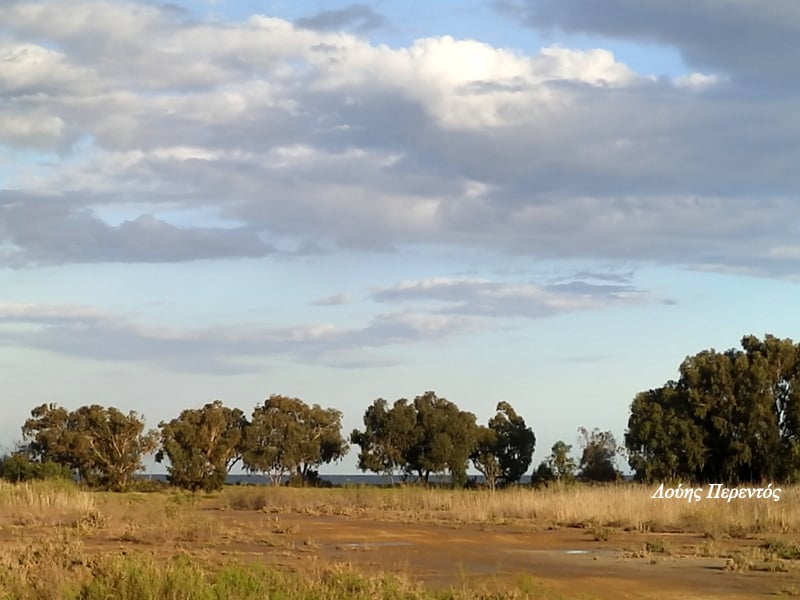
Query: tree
x,y
388,434
431,435
560,463
202,445
103,446
286,436
516,443
664,443
598,457
503,450
731,417
485,455
443,438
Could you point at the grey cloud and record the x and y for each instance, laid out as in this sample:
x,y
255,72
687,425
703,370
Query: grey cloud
x,y
754,41
96,335
593,289
359,16
612,277
478,297
333,300
38,230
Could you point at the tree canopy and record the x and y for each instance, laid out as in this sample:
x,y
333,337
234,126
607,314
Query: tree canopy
x,y
598,457
103,446
558,466
430,435
731,417
202,445
286,436
503,450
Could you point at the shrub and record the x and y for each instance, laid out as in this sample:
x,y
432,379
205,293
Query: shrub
x,y
17,467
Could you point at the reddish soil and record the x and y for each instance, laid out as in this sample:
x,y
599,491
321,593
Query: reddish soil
x,y
567,560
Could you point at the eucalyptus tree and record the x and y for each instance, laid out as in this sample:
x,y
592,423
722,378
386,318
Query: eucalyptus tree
x,y
202,445
598,456
288,437
731,417
427,436
103,446
503,450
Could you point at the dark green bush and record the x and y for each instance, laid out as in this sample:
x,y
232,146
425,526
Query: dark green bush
x,y
17,467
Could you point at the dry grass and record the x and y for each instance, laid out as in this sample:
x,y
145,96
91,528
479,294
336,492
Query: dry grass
x,y
626,506
155,516
56,567
44,526
43,503
44,496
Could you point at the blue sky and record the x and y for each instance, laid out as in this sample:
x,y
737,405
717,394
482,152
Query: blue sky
x,y
548,202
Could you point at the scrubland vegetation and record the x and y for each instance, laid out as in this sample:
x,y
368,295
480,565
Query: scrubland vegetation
x,y
61,541
73,525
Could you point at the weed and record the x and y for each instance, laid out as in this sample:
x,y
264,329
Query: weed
x,y
600,534
657,547
781,549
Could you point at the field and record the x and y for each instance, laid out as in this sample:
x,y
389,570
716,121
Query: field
x,y
58,541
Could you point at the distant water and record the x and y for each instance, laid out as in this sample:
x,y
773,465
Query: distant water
x,y
345,480
337,480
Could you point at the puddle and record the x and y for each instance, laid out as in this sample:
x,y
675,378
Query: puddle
x,y
555,552
363,545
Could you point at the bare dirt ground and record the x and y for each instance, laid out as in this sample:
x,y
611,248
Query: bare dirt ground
x,y
569,561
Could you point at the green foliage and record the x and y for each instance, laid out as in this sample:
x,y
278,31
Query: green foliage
x,y
598,457
286,436
17,467
431,435
543,475
67,573
516,443
202,446
102,445
503,451
782,549
443,439
485,455
731,417
559,466
388,432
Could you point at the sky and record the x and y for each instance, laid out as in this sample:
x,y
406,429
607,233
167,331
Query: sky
x,y
545,202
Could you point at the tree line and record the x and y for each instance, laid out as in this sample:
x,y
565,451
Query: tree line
x,y
285,439
731,417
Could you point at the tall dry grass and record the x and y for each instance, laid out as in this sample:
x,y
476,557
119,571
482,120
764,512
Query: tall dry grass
x,y
52,496
43,502
626,506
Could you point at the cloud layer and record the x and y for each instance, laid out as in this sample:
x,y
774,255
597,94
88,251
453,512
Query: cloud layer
x,y
429,311
268,134
752,41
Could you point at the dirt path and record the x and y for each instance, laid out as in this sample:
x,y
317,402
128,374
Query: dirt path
x,y
567,560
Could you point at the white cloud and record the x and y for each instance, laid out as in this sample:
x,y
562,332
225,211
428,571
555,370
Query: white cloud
x,y
697,81
482,297
323,138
